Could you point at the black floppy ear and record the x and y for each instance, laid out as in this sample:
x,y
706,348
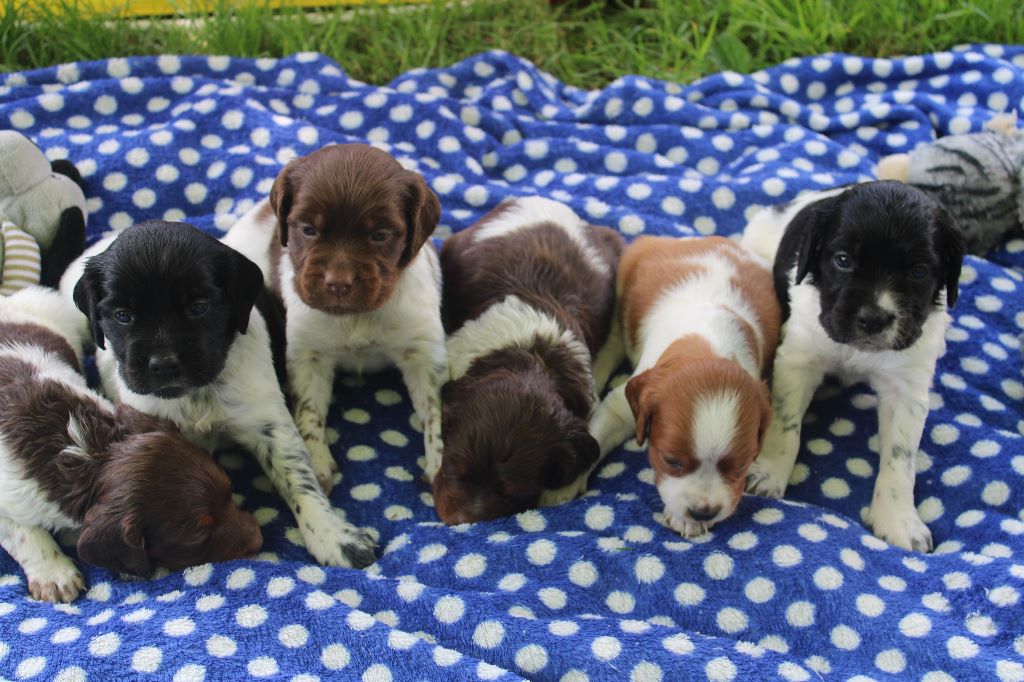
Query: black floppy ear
x,y
422,213
580,453
88,293
243,282
810,226
281,201
67,245
111,539
952,250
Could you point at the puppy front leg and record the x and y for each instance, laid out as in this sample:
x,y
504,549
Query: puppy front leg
x,y
793,384
281,453
311,377
50,574
892,515
425,369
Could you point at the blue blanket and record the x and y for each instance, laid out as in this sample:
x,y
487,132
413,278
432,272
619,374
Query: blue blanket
x,y
595,589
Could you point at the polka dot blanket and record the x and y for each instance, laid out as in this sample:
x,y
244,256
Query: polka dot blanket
x,y
595,589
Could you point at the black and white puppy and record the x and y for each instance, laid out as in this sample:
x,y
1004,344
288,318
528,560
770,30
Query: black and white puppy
x,y
864,275
171,312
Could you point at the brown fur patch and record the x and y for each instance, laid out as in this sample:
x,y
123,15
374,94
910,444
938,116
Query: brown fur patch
x,y
36,335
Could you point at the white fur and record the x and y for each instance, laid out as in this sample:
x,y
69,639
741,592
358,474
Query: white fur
x,y
244,405
901,379
405,332
525,212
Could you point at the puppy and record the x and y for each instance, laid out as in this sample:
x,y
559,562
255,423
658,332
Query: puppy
x,y
528,296
699,322
140,493
171,312
863,275
342,240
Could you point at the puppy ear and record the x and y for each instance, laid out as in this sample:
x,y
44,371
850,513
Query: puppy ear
x,y
281,201
580,453
422,213
111,539
811,225
88,293
952,250
638,393
243,282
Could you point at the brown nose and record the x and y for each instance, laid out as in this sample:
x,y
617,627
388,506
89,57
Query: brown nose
x,y
338,283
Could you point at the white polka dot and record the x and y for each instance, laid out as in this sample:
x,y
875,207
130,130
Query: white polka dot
x,y
649,569
488,634
606,648
531,658
615,162
720,669
828,578
221,646
731,620
800,614
621,602
449,609
786,556
961,647
541,552
718,566
599,517
552,597
147,659
104,645
334,656
251,616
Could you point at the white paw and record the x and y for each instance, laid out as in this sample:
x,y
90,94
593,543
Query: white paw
x,y
323,463
55,580
900,526
335,542
688,529
550,498
766,480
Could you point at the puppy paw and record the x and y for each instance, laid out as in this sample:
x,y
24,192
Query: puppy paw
x,y
688,529
550,498
335,542
57,580
900,527
765,480
324,465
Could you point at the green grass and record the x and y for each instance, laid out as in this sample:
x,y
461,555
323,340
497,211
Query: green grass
x,y
583,43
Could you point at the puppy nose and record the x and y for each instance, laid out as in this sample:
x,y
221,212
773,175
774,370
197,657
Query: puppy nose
x,y
339,284
164,366
705,513
873,320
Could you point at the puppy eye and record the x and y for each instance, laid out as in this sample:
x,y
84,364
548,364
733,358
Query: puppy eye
x,y
308,230
380,236
919,271
842,261
672,462
198,309
124,316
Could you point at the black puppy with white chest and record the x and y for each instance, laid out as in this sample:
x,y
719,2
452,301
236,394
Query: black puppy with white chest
x,y
864,275
171,310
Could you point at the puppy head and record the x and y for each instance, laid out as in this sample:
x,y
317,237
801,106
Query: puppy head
x,y
161,501
705,422
880,255
507,437
169,299
352,219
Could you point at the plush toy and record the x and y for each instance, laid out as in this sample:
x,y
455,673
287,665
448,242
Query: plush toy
x,y
979,177
43,200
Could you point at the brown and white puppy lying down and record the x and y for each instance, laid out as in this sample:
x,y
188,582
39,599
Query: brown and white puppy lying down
x,y
343,241
699,321
528,299
141,493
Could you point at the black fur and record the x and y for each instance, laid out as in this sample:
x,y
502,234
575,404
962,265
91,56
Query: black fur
x,y
890,232
161,275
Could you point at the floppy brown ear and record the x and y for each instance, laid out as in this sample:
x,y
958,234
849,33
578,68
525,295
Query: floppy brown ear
x,y
243,283
422,213
638,393
281,201
111,539
88,293
133,421
952,249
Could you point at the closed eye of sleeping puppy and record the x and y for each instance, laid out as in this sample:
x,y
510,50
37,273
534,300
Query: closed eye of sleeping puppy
x,y
528,297
140,492
171,312
863,274
343,241
699,322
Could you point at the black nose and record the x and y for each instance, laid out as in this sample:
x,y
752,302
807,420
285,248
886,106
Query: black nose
x,y
873,320
704,513
164,366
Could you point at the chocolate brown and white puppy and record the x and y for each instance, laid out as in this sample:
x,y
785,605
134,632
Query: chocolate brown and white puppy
x,y
141,493
343,240
528,298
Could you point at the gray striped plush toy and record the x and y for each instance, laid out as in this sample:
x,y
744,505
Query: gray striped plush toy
x,y
979,177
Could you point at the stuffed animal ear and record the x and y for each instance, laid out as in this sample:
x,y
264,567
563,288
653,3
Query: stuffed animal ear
x,y
643,404
89,291
111,539
243,283
422,213
68,169
952,248
281,200
68,244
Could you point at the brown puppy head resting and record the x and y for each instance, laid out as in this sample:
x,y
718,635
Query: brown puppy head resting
x,y
161,501
351,219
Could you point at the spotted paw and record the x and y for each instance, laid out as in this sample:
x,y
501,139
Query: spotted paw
x,y
335,542
324,465
56,580
899,526
765,480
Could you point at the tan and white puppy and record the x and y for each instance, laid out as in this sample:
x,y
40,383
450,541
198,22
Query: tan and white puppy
x,y
699,321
